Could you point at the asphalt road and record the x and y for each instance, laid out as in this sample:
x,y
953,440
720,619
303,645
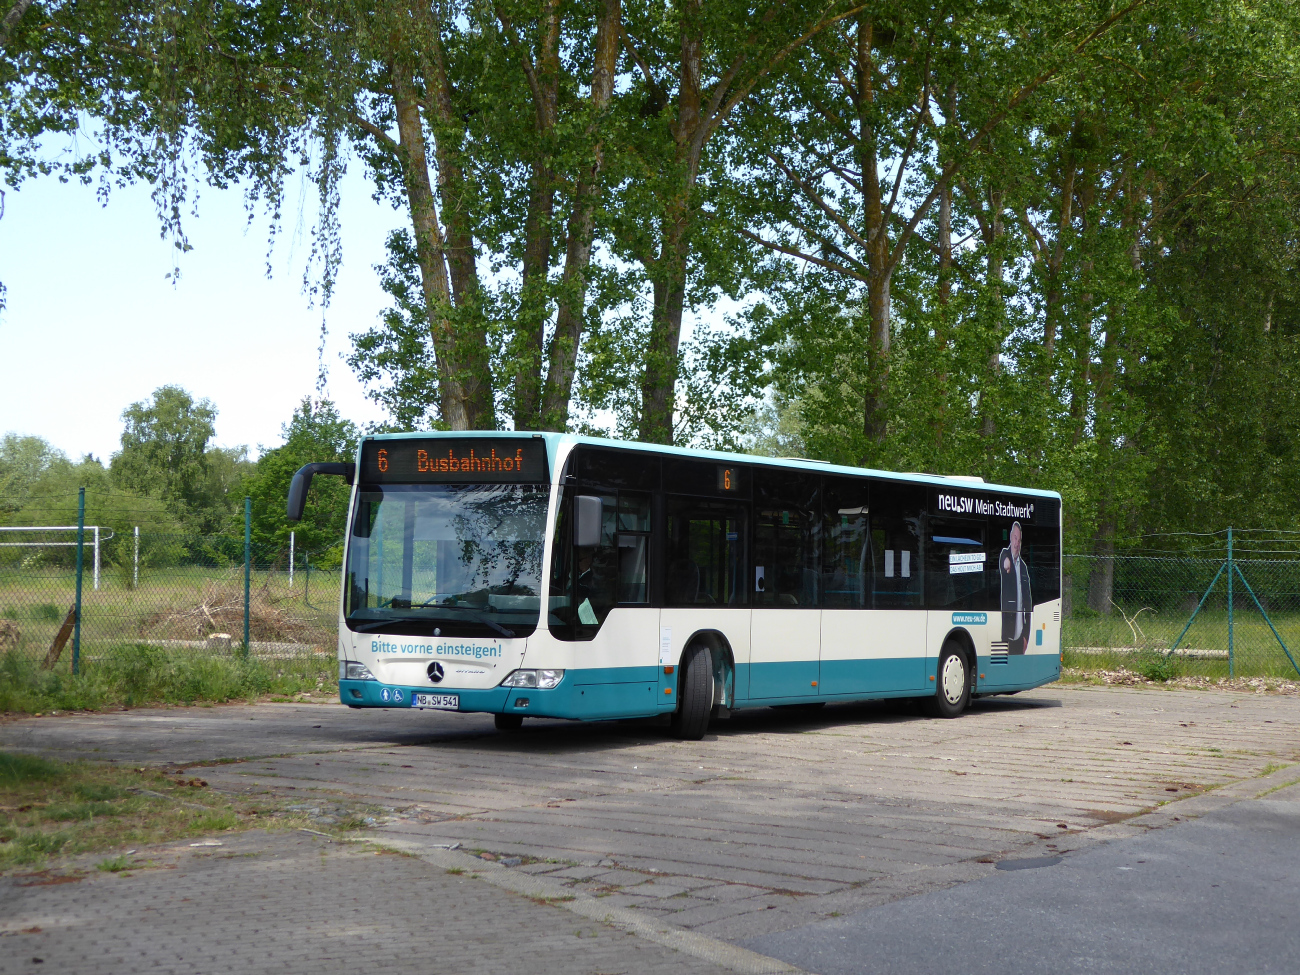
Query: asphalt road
x,y
1214,895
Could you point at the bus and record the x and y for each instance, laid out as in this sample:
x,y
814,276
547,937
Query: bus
x,y
558,576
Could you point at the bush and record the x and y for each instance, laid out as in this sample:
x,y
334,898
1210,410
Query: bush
x,y
1156,667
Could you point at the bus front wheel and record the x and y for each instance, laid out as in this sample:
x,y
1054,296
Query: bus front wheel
x,y
694,694
509,722
953,679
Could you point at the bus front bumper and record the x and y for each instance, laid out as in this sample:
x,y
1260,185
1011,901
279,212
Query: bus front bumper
x,y
568,700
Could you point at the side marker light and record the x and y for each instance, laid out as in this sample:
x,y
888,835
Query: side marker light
x,y
668,690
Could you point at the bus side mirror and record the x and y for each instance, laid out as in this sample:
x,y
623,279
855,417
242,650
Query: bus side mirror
x,y
301,484
586,521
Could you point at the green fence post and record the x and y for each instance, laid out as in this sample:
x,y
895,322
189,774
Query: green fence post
x,y
81,560
248,564
1231,667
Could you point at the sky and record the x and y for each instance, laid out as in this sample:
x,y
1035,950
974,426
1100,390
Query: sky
x,y
94,324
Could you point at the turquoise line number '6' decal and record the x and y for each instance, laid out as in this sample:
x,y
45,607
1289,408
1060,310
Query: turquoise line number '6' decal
x,y
970,619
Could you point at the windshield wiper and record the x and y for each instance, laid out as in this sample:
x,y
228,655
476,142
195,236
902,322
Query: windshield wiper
x,y
482,618
473,613
376,625
404,620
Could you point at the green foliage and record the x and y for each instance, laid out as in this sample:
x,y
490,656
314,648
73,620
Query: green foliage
x,y
165,453
40,487
1051,243
1156,667
316,432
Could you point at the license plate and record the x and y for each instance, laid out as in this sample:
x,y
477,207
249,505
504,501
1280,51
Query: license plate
x,y
443,702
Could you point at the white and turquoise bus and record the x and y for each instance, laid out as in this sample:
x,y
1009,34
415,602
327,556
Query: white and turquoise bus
x,y
556,576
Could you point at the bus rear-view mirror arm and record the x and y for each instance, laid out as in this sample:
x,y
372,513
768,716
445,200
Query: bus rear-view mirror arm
x,y
586,520
302,483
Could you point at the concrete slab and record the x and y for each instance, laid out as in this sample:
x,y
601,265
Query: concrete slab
x,y
852,806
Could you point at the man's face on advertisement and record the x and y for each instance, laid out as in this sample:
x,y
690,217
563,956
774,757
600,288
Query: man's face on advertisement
x,y
1014,544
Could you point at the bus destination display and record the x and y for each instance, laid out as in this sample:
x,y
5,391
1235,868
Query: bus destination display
x,y
457,461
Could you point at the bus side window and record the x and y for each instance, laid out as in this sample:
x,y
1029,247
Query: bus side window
x,y
961,568
560,617
632,539
595,587
847,556
896,546
1043,553
787,532
706,553
613,572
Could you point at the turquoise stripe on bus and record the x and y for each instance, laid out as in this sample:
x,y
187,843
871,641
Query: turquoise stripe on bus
x,y
631,692
1020,672
870,676
835,678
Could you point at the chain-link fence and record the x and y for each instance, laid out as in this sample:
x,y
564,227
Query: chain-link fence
x,y
179,593
1172,615
1210,613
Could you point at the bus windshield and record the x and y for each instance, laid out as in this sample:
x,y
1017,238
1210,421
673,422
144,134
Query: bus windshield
x,y
447,559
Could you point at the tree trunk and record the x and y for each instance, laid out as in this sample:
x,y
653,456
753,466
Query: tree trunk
x,y
668,272
429,246
14,15
534,298
534,304
992,230
659,387
1101,579
875,400
469,335
1055,296
943,318
570,315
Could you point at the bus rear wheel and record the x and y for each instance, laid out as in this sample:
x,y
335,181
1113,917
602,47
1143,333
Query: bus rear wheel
x,y
509,722
694,694
953,679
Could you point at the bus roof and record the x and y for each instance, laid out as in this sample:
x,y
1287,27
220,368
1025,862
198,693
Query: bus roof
x,y
556,440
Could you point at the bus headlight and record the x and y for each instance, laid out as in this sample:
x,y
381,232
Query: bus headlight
x,y
543,680
350,670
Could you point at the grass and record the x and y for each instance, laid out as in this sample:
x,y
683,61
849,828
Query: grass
x,y
50,809
115,864
138,674
1098,642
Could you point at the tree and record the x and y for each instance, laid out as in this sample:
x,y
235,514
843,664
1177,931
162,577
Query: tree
x,y
865,138
165,454
23,461
316,432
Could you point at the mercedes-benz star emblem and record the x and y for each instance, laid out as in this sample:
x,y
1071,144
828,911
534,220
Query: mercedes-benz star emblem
x,y
435,672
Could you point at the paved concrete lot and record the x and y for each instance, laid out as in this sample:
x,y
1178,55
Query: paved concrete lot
x,y
775,821
300,904
1218,894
